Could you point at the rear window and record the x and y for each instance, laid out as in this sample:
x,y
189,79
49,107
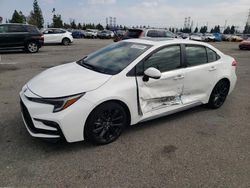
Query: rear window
x,y
32,29
134,33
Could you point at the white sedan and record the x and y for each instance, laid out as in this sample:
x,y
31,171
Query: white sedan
x,y
57,36
123,84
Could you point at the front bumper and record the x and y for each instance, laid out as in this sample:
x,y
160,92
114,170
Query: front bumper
x,y
41,122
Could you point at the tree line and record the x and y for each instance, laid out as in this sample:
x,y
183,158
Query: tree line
x,y
36,18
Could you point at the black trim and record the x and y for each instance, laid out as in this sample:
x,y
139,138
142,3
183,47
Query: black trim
x,y
138,95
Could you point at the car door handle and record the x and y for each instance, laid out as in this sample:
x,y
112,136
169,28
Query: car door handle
x,y
178,77
212,68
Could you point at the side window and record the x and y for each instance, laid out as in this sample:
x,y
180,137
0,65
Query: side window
x,y
57,31
152,33
3,28
166,59
16,28
196,55
211,55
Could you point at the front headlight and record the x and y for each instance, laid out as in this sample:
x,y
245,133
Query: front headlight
x,y
60,103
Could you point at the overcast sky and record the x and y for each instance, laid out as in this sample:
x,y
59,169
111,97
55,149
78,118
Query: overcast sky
x,y
158,13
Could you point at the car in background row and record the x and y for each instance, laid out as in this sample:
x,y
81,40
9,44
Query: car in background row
x,y
91,33
78,34
57,36
147,33
209,37
20,36
197,37
105,34
245,44
123,84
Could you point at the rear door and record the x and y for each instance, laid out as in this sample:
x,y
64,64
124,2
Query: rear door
x,y
167,91
4,37
201,73
16,35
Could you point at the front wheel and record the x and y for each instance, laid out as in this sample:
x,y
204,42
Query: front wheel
x,y
219,94
106,123
32,47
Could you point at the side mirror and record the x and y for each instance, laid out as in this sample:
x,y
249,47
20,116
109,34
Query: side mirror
x,y
151,72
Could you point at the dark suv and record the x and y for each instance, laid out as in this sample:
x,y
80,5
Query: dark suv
x,y
15,36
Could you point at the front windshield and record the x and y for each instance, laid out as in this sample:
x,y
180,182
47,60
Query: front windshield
x,y
113,58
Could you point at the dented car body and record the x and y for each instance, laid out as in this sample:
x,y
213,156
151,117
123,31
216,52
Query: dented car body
x,y
125,83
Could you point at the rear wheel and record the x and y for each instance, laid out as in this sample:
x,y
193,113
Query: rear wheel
x,y
65,41
32,47
106,123
219,94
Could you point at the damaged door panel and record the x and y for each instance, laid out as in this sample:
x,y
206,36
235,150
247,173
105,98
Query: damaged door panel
x,y
167,90
161,93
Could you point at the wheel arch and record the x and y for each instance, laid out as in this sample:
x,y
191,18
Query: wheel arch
x,y
66,38
123,104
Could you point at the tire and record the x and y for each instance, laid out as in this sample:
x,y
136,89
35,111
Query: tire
x,y
105,123
66,41
219,94
32,47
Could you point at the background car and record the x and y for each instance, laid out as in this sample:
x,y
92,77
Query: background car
x,y
197,37
57,36
209,37
118,35
78,34
20,36
91,33
123,84
148,33
105,34
245,44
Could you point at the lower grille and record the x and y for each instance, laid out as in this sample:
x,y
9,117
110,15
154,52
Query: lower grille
x,y
33,129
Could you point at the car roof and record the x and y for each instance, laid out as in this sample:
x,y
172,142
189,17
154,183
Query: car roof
x,y
162,41
158,42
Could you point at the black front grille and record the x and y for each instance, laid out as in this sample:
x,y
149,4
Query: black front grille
x,y
33,129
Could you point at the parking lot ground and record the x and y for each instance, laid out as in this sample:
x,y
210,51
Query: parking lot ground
x,y
195,148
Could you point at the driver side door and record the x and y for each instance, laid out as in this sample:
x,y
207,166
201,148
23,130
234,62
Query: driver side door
x,y
165,93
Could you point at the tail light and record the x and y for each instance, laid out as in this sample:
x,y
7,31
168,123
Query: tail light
x,y
234,63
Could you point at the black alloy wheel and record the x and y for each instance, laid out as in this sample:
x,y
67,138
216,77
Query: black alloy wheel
x,y
219,94
106,123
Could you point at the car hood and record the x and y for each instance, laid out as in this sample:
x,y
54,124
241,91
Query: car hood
x,y
65,80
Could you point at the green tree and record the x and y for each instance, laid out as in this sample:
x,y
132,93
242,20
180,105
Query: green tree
x,y
79,26
247,29
227,30
36,16
196,30
73,24
232,29
99,27
57,21
17,17
203,29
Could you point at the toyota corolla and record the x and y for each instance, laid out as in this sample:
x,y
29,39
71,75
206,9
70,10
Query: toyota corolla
x,y
123,84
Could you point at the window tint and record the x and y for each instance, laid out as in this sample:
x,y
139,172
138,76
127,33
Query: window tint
x,y
152,33
16,28
133,33
211,55
3,28
196,55
165,59
59,31
32,29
